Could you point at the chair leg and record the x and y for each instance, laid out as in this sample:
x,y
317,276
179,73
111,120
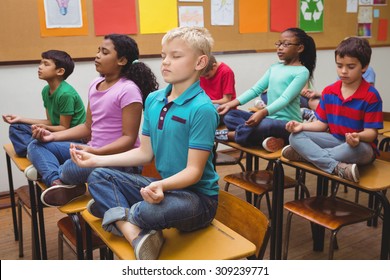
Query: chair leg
x,y
287,235
60,245
331,244
268,205
20,229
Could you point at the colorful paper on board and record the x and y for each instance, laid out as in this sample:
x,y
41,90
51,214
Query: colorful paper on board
x,y
283,14
62,18
253,16
115,16
311,15
383,27
157,16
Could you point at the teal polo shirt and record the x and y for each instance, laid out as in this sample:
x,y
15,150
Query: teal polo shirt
x,y
188,122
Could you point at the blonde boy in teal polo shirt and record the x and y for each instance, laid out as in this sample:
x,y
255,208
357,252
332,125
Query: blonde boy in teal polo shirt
x,y
178,133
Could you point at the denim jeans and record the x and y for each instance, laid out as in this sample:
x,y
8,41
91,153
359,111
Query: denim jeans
x,y
325,151
20,136
117,197
254,136
52,161
303,101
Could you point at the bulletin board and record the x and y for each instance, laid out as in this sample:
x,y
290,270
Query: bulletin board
x,y
21,41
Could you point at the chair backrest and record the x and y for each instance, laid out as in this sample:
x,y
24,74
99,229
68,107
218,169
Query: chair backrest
x,y
244,219
149,170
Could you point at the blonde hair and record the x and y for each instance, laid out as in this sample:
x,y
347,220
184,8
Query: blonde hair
x,y
196,37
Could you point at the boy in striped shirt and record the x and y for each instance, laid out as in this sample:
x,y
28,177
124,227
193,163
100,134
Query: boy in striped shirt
x,y
349,116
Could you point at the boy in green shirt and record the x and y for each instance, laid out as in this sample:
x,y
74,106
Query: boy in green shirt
x,y
64,106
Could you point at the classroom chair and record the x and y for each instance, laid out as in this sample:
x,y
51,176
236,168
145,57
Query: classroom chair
x,y
67,235
245,219
23,204
223,159
259,183
330,212
239,230
21,163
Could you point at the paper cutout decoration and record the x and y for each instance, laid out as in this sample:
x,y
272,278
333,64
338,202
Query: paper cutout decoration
x,y
283,14
157,16
253,16
191,16
383,29
115,16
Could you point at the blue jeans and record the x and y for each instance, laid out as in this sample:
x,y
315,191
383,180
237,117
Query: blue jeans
x,y
20,136
52,161
254,136
117,197
304,101
325,151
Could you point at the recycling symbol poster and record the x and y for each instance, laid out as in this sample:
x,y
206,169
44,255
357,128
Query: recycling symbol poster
x,y
311,15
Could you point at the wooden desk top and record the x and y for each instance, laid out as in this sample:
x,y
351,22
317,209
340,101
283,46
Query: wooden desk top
x,y
386,127
256,151
77,205
373,177
214,242
387,134
21,162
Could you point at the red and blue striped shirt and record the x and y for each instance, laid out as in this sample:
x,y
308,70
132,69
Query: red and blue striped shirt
x,y
361,110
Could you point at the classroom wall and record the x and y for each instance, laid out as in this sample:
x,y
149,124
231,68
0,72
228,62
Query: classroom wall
x,y
20,87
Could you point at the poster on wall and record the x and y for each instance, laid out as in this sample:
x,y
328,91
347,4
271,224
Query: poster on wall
x,y
364,21
191,16
63,14
311,15
62,17
222,12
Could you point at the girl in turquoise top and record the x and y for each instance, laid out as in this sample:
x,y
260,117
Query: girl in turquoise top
x,y
284,82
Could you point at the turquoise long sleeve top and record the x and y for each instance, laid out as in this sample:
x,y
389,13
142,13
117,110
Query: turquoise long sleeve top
x,y
283,84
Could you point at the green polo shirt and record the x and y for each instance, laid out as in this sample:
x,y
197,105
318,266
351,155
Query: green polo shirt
x,y
64,101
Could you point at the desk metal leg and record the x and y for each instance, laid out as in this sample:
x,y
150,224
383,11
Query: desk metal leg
x,y
41,223
79,236
385,243
249,167
12,196
277,212
34,219
318,231
88,235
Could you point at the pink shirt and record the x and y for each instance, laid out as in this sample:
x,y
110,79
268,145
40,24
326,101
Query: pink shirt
x,y
220,84
106,110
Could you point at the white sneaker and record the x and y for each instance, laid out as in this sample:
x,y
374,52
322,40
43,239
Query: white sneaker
x,y
31,173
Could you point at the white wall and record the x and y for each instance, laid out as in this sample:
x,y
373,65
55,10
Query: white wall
x,y
20,87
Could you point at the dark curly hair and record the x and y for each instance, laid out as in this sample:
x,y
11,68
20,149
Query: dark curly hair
x,y
134,70
309,55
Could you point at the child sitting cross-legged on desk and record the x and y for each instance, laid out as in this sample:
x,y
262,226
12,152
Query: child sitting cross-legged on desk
x,y
283,82
178,133
351,109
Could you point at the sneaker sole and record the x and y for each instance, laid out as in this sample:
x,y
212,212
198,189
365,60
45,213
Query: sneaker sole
x,y
151,244
31,173
67,196
90,209
277,142
355,173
